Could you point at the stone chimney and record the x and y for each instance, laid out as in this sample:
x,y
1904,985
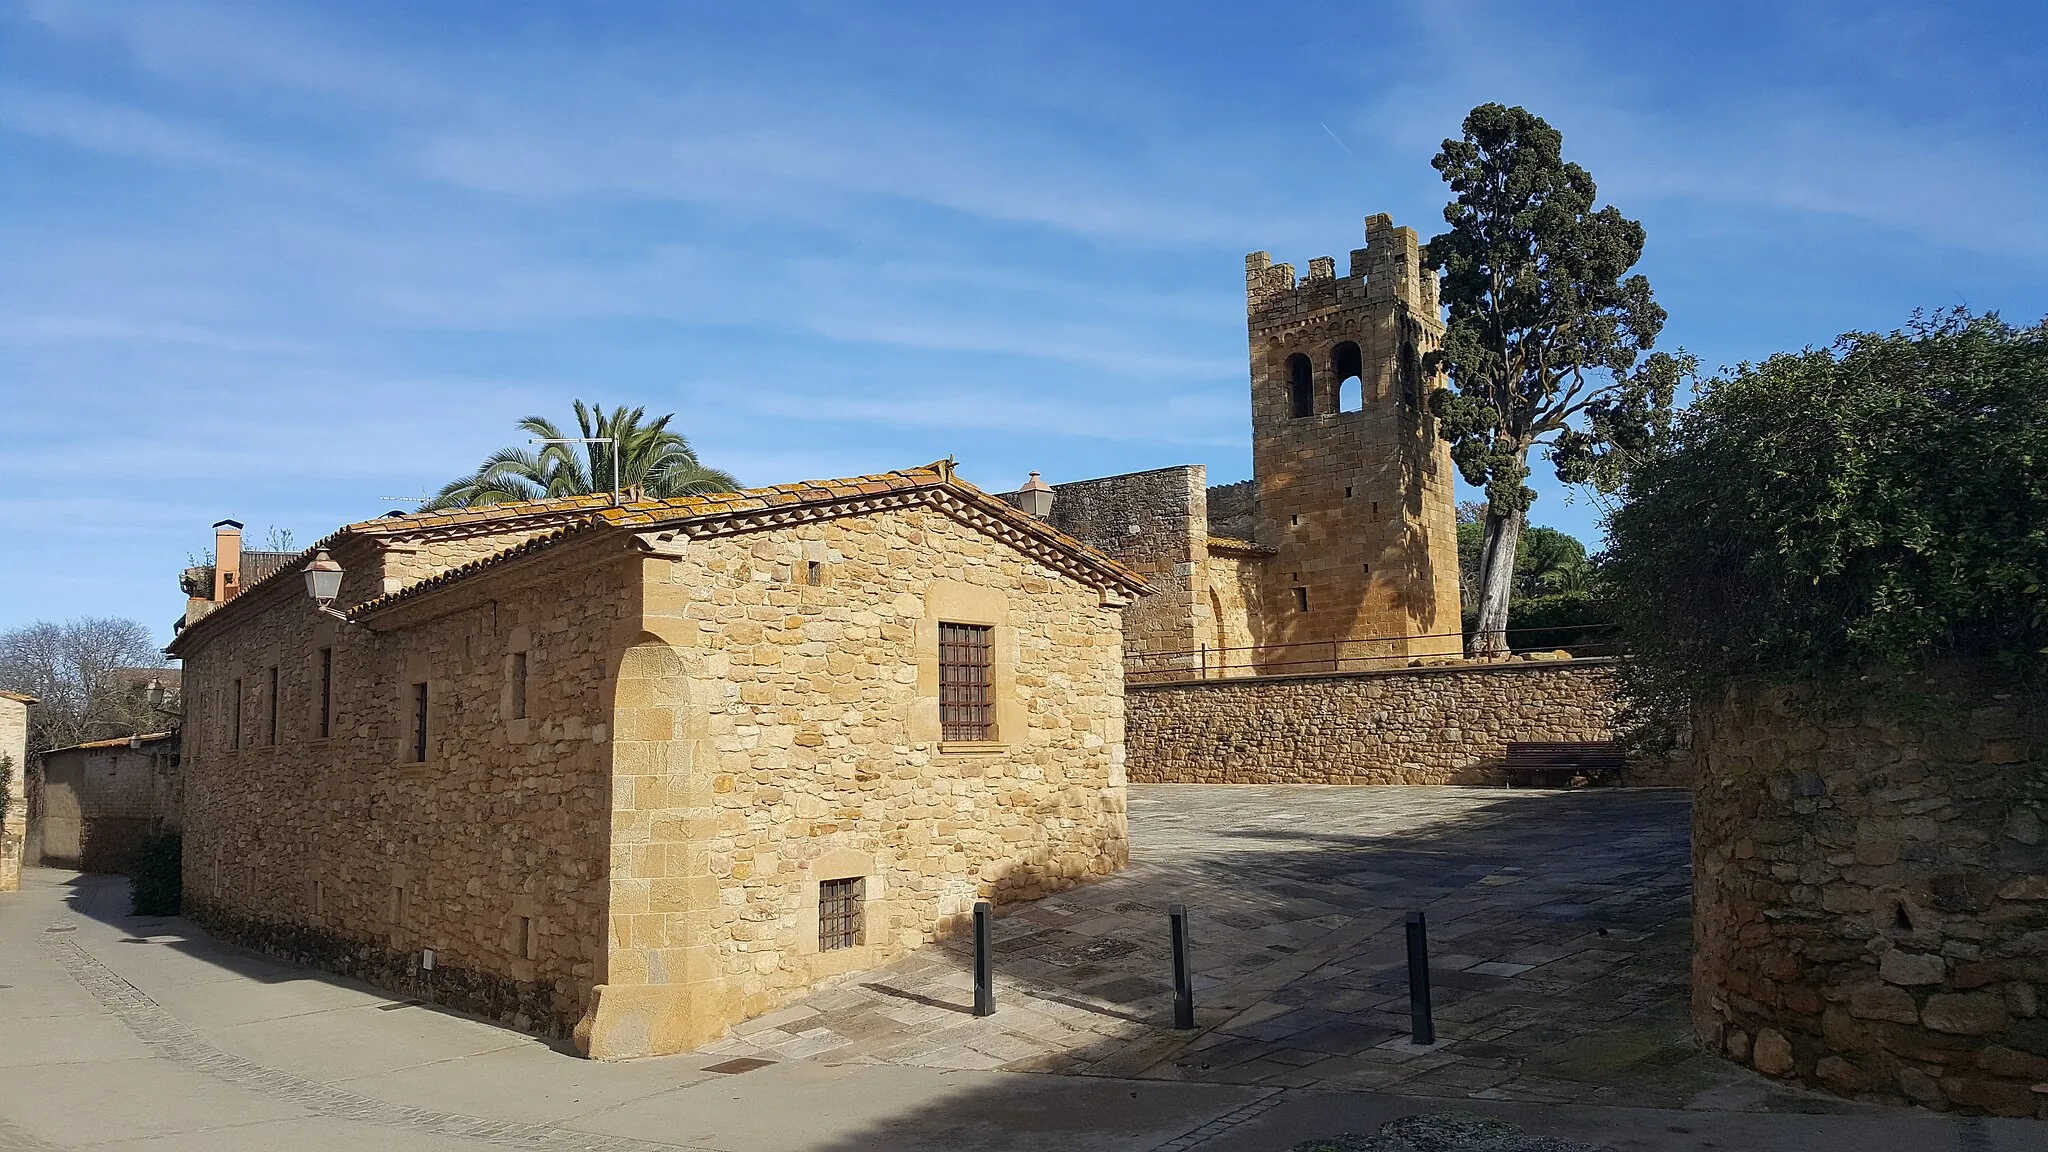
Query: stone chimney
x,y
1035,497
227,561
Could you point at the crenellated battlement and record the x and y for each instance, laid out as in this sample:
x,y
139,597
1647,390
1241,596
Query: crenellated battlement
x,y
1388,268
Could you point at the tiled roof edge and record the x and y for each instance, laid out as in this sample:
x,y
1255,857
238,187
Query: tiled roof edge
x,y
439,580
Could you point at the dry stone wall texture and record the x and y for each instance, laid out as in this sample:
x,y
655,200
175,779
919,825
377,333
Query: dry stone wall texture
x,y
1871,896
1441,725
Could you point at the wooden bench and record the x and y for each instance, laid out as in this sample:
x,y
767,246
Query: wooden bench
x,y
1556,764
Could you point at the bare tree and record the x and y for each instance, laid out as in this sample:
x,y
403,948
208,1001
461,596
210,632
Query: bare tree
x,y
73,668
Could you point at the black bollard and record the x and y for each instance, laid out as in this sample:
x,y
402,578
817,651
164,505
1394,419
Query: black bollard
x,y
1420,1023
1183,979
984,973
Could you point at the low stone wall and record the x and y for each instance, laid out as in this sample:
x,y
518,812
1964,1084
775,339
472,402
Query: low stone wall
x,y
1870,907
1438,725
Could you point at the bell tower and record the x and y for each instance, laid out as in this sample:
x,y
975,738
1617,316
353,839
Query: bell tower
x,y
1352,484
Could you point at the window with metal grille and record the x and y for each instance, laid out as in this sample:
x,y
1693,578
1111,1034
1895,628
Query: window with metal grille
x,y
839,913
235,719
966,690
326,693
419,723
270,733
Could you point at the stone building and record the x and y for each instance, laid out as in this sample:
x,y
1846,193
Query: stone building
x,y
14,761
1341,552
93,804
639,772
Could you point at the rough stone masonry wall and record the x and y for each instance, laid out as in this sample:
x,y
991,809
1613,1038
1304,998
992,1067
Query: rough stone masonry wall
x,y
1233,510
95,806
777,733
1870,907
342,853
1442,725
1156,524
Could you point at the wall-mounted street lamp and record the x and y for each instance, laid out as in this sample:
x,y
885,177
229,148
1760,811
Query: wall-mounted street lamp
x,y
323,584
611,440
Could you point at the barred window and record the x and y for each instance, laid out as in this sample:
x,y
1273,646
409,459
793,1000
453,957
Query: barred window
x,y
839,913
419,723
966,691
326,693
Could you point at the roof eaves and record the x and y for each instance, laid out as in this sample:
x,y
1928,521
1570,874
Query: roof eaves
x,y
113,742
1233,546
496,559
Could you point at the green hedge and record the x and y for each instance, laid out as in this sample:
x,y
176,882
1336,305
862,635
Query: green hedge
x,y
1834,513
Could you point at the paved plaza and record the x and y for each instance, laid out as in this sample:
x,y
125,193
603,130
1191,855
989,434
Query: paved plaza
x,y
1559,950
1558,921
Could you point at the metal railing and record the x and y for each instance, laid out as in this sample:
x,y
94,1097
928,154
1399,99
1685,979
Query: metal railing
x,y
1352,654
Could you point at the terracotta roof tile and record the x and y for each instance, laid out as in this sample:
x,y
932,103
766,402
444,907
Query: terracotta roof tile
x,y
678,509
1233,544
116,742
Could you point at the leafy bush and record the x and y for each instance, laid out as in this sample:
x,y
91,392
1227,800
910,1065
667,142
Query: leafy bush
x,y
1576,620
156,876
1858,509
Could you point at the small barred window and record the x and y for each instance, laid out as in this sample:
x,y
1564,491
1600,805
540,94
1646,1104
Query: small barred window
x,y
839,913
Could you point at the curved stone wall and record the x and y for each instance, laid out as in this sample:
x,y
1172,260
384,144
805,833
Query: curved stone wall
x,y
1871,897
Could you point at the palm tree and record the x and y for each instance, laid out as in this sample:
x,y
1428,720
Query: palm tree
x,y
659,462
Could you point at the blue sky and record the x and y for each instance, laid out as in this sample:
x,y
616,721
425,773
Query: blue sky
x,y
287,262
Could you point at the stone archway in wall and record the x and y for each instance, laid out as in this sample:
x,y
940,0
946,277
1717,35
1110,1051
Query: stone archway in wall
x,y
660,989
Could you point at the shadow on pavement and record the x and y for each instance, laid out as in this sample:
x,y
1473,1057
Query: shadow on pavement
x,y
1560,951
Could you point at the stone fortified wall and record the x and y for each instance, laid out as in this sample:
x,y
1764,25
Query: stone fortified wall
x,y
1156,524
1437,725
1870,903
1233,510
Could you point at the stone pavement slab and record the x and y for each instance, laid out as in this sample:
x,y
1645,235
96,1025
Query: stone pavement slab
x,y
1559,926
197,1083
1304,1116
